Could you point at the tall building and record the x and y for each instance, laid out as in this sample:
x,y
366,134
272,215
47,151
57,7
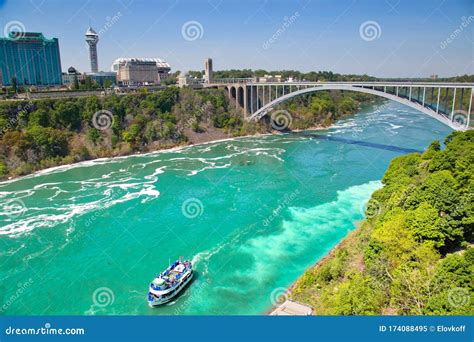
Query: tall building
x,y
139,71
208,72
92,38
30,58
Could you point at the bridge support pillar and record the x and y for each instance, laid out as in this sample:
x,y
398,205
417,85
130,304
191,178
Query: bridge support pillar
x,y
453,107
469,108
437,102
255,99
246,96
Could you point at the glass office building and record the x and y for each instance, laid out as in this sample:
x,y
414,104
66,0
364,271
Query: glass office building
x,y
30,58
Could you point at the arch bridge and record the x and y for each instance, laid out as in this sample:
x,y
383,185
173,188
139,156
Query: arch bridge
x,y
450,103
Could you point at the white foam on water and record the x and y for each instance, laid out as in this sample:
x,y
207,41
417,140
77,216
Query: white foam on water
x,y
344,124
114,160
63,212
210,167
203,258
157,172
307,225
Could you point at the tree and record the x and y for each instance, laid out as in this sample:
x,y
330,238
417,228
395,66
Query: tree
x,y
132,134
66,115
93,135
417,252
108,84
49,142
39,117
14,85
88,83
424,223
3,169
75,85
355,296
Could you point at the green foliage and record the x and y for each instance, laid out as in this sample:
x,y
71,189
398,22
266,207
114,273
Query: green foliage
x,y
424,223
357,295
3,169
452,286
75,85
48,142
402,170
323,107
39,117
14,85
93,135
66,115
132,133
417,258
308,76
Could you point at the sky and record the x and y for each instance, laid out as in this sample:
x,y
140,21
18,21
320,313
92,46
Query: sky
x,y
382,38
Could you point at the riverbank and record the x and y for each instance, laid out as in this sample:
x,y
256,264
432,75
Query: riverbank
x,y
177,147
126,206
46,133
404,243
345,242
210,135
207,136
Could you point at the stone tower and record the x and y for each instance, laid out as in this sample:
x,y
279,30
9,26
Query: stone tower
x,y
208,75
92,38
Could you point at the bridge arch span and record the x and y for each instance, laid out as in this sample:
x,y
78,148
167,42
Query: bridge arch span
x,y
268,107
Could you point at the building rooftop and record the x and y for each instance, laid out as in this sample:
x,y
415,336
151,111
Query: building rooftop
x,y
159,62
101,73
27,37
90,32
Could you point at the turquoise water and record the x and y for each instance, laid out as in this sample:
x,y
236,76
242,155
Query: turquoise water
x,y
252,213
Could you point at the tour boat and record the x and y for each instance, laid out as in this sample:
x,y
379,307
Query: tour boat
x,y
170,282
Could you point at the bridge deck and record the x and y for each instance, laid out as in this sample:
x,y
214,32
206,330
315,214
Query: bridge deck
x,y
448,102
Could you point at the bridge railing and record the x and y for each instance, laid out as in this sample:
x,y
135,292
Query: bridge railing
x,y
233,80
373,84
450,102
255,80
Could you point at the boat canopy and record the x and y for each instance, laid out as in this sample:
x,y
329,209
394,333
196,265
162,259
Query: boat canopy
x,y
158,281
180,268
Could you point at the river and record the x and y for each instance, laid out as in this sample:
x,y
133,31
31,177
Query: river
x,y
252,213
